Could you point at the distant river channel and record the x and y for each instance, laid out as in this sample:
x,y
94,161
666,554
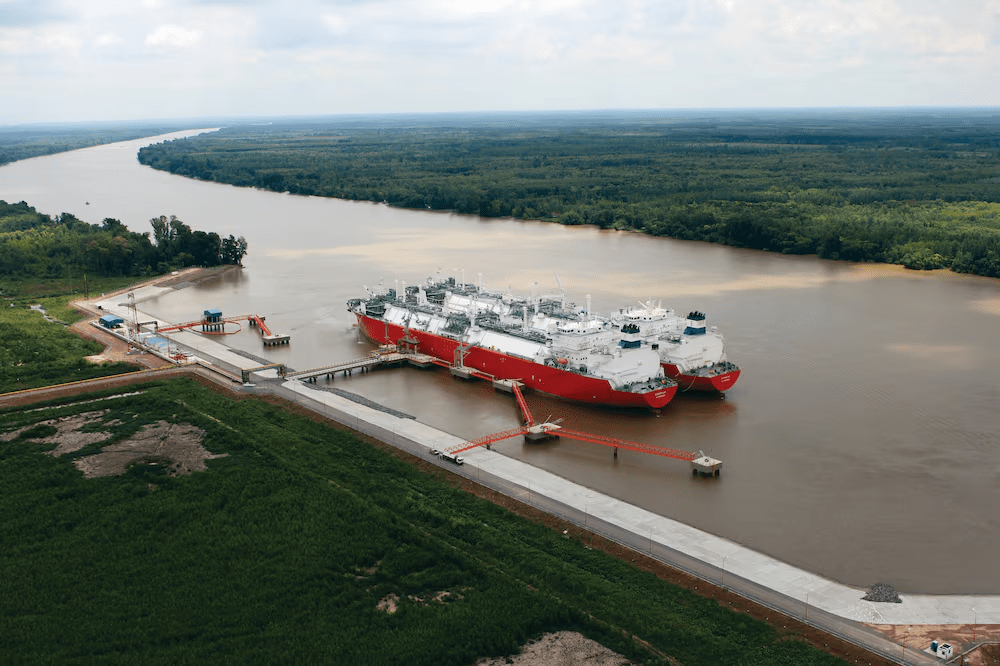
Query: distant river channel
x,y
862,441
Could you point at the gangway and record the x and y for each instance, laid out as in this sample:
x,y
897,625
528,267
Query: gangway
x,y
267,336
259,321
516,388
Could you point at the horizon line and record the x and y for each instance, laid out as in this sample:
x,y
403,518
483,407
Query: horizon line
x,y
512,112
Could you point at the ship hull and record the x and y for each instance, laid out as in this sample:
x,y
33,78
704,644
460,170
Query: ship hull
x,y
713,383
557,382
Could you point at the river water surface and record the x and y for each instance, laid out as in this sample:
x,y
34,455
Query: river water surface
x,y
862,441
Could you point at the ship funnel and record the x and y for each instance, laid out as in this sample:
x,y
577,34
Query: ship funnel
x,y
695,324
397,288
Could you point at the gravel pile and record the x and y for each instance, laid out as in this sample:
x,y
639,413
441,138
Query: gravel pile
x,y
883,593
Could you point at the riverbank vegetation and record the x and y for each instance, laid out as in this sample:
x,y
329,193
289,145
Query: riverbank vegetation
x,y
34,246
918,188
20,142
296,546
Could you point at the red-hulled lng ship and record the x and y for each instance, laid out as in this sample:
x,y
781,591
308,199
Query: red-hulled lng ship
x,y
691,354
626,359
581,360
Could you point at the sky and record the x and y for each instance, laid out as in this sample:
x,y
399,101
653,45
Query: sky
x,y
157,59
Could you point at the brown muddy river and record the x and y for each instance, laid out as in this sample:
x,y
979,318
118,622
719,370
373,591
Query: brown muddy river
x,y
861,442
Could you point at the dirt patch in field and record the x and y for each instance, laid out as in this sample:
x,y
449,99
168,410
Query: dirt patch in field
x,y
563,648
67,436
178,446
436,598
388,603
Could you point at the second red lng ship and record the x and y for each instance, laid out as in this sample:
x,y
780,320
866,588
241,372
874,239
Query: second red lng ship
x,y
622,361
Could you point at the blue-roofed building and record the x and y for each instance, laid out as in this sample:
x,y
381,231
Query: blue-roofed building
x,y
213,316
111,321
158,343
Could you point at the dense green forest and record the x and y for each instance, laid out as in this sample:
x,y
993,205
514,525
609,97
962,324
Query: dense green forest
x,y
281,552
33,245
19,142
919,188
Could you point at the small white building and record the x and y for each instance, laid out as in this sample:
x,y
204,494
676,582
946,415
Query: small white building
x,y
941,650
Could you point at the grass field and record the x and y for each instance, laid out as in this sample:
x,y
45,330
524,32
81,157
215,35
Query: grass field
x,y
281,552
35,352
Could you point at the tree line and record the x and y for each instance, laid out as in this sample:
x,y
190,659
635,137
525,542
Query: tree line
x,y
915,188
34,245
20,142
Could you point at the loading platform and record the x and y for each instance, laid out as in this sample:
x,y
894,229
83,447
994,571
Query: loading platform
x,y
213,323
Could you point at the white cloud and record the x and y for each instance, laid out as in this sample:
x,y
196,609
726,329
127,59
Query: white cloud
x,y
59,40
329,56
109,39
172,35
473,6
337,25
